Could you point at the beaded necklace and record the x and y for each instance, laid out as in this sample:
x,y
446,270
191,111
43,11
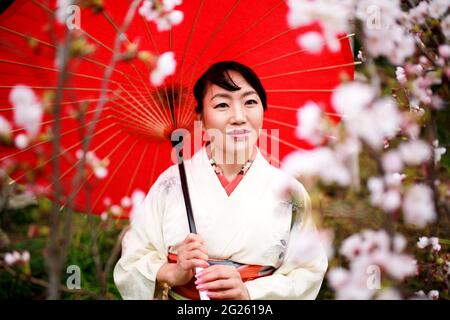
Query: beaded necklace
x,y
218,170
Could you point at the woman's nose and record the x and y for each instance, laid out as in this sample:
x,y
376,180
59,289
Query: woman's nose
x,y
238,115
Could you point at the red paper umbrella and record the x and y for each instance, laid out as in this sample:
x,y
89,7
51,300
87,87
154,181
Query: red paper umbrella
x,y
132,134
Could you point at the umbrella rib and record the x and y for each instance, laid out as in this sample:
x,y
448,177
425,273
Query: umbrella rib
x,y
280,123
42,6
311,70
155,46
93,150
87,34
161,111
298,90
63,103
26,36
137,122
186,47
95,62
284,142
188,113
122,161
165,89
54,88
51,69
250,27
51,121
293,53
171,107
147,115
211,38
334,114
40,165
155,156
44,141
113,24
264,43
254,24
137,169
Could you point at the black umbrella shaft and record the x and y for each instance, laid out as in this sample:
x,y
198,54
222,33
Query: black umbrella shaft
x,y
178,145
187,199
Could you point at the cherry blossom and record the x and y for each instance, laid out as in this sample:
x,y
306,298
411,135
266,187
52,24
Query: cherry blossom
x,y
418,206
370,251
162,13
321,162
445,26
392,161
415,152
61,10
438,151
28,110
98,166
313,42
21,141
433,294
12,258
332,15
418,14
165,66
437,8
401,75
310,121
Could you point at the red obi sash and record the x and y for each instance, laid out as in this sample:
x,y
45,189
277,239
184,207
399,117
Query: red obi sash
x,y
248,272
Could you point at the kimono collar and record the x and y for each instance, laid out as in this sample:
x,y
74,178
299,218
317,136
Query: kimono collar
x,y
218,170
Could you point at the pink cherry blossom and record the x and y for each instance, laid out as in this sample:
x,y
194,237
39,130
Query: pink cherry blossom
x,y
165,67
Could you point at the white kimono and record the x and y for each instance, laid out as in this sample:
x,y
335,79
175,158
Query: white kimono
x,y
251,226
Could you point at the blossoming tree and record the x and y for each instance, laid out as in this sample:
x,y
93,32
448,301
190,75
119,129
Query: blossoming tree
x,y
381,168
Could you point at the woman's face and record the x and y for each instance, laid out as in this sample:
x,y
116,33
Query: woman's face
x,y
233,119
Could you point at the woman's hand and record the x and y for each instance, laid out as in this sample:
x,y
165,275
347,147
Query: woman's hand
x,y
222,282
191,253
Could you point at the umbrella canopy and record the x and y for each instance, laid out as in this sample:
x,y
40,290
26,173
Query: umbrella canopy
x,y
132,136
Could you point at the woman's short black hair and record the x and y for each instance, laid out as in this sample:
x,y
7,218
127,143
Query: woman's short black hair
x,y
218,74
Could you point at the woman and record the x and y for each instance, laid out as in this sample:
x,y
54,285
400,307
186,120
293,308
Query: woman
x,y
249,230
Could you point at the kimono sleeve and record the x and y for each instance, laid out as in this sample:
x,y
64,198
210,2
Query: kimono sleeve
x,y
143,249
301,273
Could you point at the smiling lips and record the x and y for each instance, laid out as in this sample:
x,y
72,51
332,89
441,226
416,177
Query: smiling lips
x,y
239,134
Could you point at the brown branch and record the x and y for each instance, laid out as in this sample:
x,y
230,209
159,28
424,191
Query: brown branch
x,y
116,251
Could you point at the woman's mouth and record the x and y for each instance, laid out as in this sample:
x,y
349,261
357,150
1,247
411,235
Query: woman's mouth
x,y
239,134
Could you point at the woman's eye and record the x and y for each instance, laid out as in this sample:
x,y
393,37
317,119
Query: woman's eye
x,y
251,102
221,105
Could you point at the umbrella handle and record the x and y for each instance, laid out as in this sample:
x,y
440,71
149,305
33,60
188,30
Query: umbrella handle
x,y
192,228
187,203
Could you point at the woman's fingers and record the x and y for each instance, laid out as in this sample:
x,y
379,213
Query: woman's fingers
x,y
196,254
195,263
215,273
218,272
224,295
221,284
193,237
196,246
